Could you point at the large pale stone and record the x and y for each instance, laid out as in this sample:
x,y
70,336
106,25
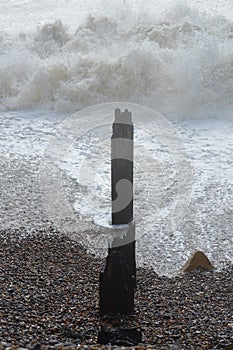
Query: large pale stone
x,y
198,260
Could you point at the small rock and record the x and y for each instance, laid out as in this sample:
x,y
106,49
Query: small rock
x,y
167,317
53,342
36,346
229,347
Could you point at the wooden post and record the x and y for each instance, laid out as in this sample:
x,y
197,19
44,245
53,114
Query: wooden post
x,y
118,280
122,168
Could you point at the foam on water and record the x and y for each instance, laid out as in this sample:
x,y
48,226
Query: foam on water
x,y
174,57
207,222
177,61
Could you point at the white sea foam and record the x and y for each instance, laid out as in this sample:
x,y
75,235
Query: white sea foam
x,y
177,63
174,57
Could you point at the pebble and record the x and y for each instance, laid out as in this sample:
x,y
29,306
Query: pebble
x,y
50,300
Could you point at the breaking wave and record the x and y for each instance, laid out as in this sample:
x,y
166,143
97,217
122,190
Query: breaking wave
x,y
179,63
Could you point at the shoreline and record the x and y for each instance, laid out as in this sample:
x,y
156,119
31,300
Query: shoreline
x,y
207,225
50,297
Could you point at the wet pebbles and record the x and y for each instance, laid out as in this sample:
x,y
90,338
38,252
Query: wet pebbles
x,y
49,300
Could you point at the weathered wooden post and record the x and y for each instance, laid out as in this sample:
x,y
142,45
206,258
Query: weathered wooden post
x,y
122,168
118,280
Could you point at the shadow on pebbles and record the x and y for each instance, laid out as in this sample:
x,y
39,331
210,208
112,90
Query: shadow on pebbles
x,y
49,300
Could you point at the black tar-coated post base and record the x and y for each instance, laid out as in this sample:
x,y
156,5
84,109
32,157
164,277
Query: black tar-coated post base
x,y
118,280
120,337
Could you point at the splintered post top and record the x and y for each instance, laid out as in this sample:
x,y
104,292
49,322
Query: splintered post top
x,y
123,117
122,126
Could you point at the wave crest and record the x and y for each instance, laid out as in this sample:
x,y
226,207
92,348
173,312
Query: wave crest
x,y
176,64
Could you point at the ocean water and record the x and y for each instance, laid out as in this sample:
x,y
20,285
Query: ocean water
x,y
172,56
175,57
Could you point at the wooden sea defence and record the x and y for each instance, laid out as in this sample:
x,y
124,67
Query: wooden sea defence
x,y
122,168
118,280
